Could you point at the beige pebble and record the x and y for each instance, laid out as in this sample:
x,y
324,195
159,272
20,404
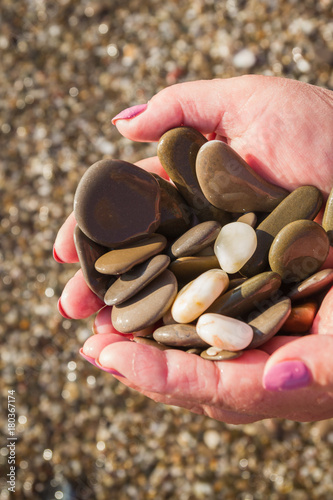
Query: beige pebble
x,y
235,245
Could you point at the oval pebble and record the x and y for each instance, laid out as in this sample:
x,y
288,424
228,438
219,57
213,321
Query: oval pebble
x,y
188,268
301,318
146,307
196,239
298,250
178,335
150,342
130,283
198,295
228,334
234,246
216,354
266,324
117,203
314,284
120,260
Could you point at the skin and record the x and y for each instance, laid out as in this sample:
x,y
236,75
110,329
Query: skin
x,y
283,129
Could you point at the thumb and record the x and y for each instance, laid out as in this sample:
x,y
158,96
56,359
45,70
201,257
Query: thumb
x,y
305,362
210,106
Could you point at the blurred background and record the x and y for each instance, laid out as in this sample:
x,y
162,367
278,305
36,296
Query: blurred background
x,y
66,68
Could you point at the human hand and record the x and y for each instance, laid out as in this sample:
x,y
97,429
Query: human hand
x,y
273,124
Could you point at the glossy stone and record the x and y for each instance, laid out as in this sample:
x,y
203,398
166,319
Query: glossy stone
x,y
88,252
301,318
176,215
216,354
266,324
298,250
177,151
151,342
312,285
117,203
198,295
187,269
223,332
249,218
179,336
120,260
196,239
130,283
303,203
146,307
327,221
234,246
230,184
247,296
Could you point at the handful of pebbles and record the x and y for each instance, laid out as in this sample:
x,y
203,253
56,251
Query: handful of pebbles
x,y
219,259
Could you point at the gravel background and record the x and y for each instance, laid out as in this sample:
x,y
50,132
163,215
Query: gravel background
x,y
66,68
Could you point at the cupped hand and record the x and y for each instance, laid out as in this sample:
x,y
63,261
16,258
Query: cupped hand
x,y
282,128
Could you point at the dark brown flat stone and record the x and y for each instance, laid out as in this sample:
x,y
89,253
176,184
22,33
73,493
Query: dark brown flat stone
x,y
146,307
179,336
269,322
303,203
299,250
130,283
176,215
121,260
230,184
247,296
187,269
117,203
88,252
177,151
312,285
196,239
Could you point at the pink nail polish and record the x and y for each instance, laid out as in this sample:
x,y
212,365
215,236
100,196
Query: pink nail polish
x,y
62,312
286,376
56,257
87,358
109,370
129,113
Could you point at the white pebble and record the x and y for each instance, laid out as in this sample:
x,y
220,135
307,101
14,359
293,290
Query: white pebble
x,y
235,245
245,58
198,295
223,332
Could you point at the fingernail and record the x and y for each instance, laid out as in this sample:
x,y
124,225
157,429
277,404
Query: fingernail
x,y
56,257
109,370
286,376
61,310
129,113
87,358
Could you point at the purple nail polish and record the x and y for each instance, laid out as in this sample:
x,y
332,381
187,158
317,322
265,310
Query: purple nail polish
x,y
286,376
88,358
129,113
109,370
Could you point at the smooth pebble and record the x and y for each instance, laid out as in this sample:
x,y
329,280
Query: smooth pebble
x,y
179,336
226,333
267,323
196,239
234,245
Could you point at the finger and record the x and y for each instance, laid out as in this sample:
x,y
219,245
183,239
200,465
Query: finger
x,y
304,363
64,248
323,322
205,105
190,378
77,301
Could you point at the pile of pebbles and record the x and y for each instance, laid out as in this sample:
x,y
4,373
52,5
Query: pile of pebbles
x,y
220,259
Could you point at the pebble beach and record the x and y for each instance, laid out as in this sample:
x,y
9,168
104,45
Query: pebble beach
x,y
66,69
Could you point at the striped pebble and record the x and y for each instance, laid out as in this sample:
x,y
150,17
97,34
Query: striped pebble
x,y
235,245
198,295
223,332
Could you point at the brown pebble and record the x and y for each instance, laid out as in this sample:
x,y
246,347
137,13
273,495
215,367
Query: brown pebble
x,y
249,218
230,184
312,285
220,355
151,342
117,203
120,260
327,221
303,203
130,283
196,239
88,252
146,307
245,297
301,318
179,336
187,269
266,324
298,250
